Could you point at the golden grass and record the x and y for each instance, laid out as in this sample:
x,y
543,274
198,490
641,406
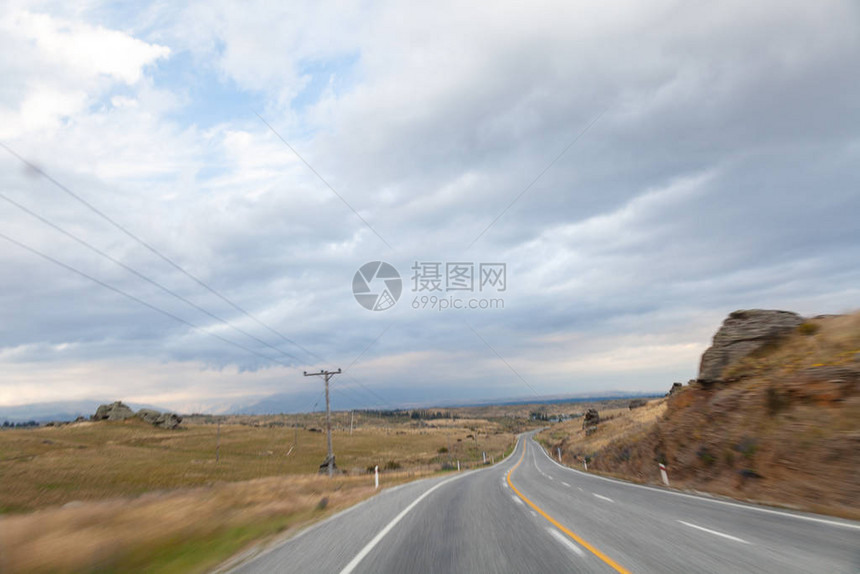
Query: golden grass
x,y
138,498
617,423
93,461
165,531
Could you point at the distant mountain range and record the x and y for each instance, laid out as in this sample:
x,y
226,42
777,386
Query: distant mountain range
x,y
284,403
306,402
59,410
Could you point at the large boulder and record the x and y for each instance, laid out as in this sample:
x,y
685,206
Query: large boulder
x,y
163,420
742,333
148,415
168,421
113,412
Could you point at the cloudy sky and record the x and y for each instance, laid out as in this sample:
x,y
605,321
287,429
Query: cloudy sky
x,y
641,169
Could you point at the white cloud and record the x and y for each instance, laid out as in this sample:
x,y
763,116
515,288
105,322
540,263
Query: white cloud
x,y
720,176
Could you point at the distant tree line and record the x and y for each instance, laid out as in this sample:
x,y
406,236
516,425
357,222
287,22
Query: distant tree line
x,y
540,415
424,414
415,414
10,425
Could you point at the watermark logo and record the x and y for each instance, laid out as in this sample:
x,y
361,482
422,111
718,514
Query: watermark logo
x,y
436,285
377,286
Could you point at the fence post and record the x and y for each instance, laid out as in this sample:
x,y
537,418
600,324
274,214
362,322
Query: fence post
x,y
376,476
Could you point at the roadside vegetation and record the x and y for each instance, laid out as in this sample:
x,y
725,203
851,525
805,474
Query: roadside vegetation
x,y
783,429
125,496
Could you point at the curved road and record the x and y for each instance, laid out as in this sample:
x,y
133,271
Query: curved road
x,y
530,514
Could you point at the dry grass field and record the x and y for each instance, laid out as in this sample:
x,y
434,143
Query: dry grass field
x,y
93,461
126,496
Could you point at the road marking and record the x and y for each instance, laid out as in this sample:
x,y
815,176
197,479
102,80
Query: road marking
x,y
548,476
606,559
533,513
580,489
570,545
706,499
370,545
566,484
708,530
606,498
517,500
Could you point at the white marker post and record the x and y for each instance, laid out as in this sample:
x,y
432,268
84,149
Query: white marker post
x,y
458,466
376,476
485,456
585,464
663,474
558,448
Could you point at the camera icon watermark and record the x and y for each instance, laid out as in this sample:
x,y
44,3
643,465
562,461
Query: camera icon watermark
x,y
377,286
436,285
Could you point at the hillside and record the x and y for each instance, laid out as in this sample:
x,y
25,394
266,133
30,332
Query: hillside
x,y
779,425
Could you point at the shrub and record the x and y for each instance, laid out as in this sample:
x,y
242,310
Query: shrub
x,y
705,456
775,401
442,449
808,329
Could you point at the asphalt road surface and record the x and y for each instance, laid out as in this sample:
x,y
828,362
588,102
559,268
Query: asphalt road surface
x,y
529,514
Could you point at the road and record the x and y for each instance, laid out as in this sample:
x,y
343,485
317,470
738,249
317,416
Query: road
x,y
530,514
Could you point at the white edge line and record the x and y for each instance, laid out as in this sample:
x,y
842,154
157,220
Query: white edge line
x,y
229,566
606,498
702,498
381,534
709,531
566,542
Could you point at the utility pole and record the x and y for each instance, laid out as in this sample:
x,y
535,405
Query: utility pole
x,y
351,413
329,459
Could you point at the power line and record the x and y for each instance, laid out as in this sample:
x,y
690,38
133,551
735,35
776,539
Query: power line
x,y
490,347
138,300
141,275
173,264
322,179
153,250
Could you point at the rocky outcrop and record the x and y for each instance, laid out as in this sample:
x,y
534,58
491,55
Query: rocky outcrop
x,y
148,415
675,388
168,421
742,333
591,418
636,403
119,411
163,420
113,412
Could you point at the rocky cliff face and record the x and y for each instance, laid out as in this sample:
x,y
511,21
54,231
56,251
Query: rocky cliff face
x,y
742,333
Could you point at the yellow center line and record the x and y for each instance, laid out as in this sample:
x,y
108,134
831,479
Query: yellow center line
x,y
609,561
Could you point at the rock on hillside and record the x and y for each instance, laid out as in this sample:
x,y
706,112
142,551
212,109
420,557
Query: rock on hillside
x,y
163,420
117,411
742,333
